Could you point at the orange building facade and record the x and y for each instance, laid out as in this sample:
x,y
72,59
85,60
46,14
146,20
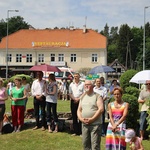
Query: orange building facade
x,y
74,48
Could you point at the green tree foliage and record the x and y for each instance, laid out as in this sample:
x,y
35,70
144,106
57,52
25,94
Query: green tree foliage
x,y
2,29
132,91
136,47
148,120
133,111
15,24
125,35
125,78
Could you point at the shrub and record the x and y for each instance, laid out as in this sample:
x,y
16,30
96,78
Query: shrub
x,y
148,120
132,91
125,78
133,113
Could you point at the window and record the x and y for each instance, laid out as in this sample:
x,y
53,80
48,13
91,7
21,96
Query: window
x,y
94,57
73,57
41,58
29,58
9,57
60,57
18,57
52,57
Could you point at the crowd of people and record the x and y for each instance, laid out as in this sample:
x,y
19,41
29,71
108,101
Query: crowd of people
x,y
89,104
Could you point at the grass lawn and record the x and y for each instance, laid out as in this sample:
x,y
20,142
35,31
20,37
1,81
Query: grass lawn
x,y
42,140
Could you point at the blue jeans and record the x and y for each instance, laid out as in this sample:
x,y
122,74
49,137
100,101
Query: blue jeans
x,y
143,121
53,107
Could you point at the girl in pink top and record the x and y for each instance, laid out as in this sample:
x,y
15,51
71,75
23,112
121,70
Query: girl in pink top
x,y
135,143
3,97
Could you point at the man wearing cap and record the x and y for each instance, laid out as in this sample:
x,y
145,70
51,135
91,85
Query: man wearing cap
x,y
144,99
76,89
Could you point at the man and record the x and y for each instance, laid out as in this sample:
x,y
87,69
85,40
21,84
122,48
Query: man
x,y
38,91
76,89
89,113
100,89
65,88
144,99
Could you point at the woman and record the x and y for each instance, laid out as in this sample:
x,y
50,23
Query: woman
x,y
51,103
116,128
3,97
27,87
114,84
18,96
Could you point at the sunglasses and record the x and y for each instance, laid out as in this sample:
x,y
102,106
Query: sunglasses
x,y
147,84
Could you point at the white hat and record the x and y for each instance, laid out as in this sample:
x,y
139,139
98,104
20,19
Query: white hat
x,y
129,134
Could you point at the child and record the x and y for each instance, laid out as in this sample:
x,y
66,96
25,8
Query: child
x,y
135,143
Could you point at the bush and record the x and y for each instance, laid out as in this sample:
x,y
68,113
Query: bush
x,y
148,120
125,78
133,112
132,91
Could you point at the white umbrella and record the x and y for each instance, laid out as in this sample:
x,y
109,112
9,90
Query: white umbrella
x,y
141,77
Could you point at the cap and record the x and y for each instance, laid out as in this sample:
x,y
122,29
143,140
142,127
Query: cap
x,y
129,134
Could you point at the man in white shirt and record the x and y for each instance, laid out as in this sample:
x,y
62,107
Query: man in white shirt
x,y
102,91
76,89
38,90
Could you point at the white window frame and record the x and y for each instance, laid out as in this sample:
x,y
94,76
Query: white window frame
x,y
73,58
94,58
60,57
28,58
9,57
52,57
18,57
40,57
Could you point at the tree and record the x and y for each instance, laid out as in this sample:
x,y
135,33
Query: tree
x,y
125,36
15,24
2,29
112,44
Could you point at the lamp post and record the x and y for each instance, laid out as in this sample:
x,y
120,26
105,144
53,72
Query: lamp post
x,y
128,51
144,37
7,40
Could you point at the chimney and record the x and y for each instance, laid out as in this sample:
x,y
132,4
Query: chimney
x,y
71,27
84,28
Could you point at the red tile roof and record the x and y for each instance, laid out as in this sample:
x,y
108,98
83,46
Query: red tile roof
x,y
76,38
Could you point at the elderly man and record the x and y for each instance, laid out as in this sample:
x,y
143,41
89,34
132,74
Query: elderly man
x,y
144,99
76,89
89,113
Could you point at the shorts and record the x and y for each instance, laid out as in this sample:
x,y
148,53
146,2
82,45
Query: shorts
x,y
143,121
2,111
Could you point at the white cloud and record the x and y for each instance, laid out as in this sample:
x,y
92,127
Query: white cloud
x,y
61,13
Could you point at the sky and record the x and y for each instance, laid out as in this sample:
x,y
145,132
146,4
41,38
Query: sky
x,y
95,14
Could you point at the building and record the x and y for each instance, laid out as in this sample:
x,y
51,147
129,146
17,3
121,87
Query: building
x,y
119,69
75,48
